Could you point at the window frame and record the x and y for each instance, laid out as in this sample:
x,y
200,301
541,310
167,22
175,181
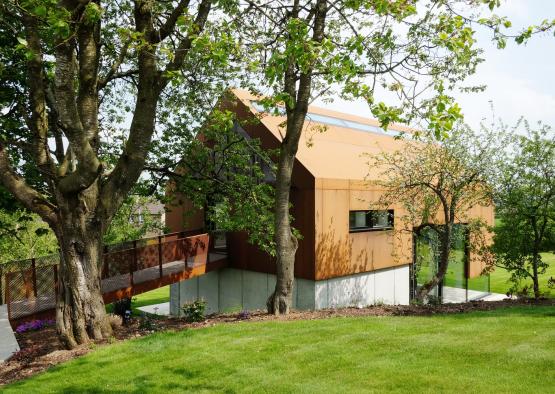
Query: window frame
x,y
389,227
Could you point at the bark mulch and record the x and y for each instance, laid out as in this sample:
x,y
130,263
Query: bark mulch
x,y
42,349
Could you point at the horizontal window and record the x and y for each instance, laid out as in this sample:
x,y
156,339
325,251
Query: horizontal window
x,y
370,220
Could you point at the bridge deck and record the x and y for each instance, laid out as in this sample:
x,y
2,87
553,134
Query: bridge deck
x,y
31,291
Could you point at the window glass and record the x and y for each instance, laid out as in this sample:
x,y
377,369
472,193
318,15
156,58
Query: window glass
x,y
370,220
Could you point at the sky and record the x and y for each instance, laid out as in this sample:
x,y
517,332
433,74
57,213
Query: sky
x,y
520,79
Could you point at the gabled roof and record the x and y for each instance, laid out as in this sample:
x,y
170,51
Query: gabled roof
x,y
336,150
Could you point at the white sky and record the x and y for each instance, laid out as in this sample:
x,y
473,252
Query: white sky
x,y
520,79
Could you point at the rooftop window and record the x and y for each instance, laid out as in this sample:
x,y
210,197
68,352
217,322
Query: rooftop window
x,y
333,121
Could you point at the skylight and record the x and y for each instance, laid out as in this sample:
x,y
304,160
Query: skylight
x,y
333,121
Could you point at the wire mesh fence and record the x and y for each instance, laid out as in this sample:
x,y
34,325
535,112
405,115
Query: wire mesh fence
x,y
30,286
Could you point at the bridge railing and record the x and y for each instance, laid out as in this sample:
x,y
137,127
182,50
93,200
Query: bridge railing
x,y
29,287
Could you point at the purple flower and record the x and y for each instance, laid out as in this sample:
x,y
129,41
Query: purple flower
x,y
34,325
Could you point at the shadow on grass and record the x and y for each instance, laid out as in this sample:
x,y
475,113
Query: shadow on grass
x,y
531,310
183,380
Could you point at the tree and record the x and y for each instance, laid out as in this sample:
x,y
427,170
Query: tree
x,y
416,51
24,236
525,196
93,80
230,176
437,184
133,220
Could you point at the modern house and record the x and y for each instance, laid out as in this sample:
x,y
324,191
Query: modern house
x,y
349,254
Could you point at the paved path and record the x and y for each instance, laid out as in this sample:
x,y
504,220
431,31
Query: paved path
x,y
456,295
156,309
8,343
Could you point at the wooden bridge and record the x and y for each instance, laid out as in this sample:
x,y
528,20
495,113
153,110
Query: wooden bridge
x,y
30,287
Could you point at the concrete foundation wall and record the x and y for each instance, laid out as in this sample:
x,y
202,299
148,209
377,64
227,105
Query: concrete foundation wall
x,y
233,290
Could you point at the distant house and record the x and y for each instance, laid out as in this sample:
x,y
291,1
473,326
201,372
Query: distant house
x,y
349,254
150,211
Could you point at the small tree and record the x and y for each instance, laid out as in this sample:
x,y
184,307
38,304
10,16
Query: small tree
x,y
525,196
436,184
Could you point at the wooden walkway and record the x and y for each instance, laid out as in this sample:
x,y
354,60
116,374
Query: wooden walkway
x,y
148,264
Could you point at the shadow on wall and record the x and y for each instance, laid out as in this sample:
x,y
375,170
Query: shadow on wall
x,y
333,255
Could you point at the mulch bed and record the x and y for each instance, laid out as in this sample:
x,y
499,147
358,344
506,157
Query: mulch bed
x,y
42,349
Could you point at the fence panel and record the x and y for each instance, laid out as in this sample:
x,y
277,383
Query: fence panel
x,y
30,286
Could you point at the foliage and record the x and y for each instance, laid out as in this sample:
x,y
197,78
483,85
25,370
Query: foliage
x,y
525,196
24,235
122,308
402,57
351,354
88,90
147,322
244,315
134,220
229,175
194,311
501,278
435,185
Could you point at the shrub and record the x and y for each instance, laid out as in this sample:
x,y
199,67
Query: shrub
x,y
433,300
147,323
194,311
244,315
122,306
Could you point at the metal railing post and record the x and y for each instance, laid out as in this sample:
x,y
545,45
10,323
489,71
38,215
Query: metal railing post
x,y
8,297
34,276
160,254
55,267
133,265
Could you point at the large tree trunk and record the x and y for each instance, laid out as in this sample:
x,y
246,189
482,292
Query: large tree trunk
x,y
80,310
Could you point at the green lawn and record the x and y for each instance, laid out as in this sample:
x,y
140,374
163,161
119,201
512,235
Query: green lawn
x,y
507,350
500,277
156,296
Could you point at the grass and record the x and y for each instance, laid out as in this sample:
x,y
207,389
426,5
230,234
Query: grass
x,y
157,296
500,277
506,350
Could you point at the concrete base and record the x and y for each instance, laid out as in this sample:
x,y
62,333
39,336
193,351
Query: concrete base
x,y
233,290
456,295
8,343
156,309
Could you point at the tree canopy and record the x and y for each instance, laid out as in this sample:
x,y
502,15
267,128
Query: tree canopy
x,y
525,196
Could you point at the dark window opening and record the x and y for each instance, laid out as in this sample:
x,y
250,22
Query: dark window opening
x,y
370,220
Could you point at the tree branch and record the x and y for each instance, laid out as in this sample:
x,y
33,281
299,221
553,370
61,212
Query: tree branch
x,y
29,197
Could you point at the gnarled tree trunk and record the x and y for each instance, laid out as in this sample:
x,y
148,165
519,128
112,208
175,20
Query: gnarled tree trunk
x,y
80,310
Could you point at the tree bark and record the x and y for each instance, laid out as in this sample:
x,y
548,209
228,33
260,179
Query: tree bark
x,y
279,301
535,279
286,243
80,310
